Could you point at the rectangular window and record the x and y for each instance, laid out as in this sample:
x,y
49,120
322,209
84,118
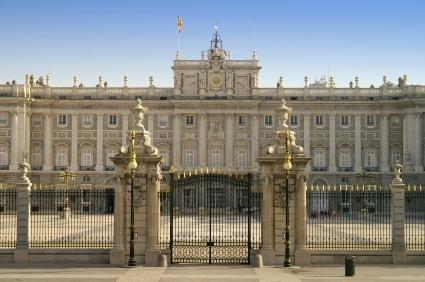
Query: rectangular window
x,y
189,120
87,157
163,121
4,156
215,158
319,159
268,120
395,156
345,158
36,156
344,180
62,120
87,120
293,121
319,120
242,120
242,159
61,157
370,120
4,118
345,121
190,158
112,120
36,120
371,159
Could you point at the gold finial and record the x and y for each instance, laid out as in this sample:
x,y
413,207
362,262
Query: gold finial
x,y
207,171
190,172
184,174
196,171
172,170
202,170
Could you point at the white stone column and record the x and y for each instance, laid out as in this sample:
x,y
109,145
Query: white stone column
x,y
74,143
229,152
47,147
99,142
124,129
151,124
202,140
384,144
357,143
177,141
307,137
332,165
418,143
254,141
14,144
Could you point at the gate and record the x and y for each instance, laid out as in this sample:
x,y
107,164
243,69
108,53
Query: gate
x,y
212,218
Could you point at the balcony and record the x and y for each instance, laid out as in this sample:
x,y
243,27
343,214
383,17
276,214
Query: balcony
x,y
36,167
320,168
371,169
109,168
345,169
60,167
4,167
86,168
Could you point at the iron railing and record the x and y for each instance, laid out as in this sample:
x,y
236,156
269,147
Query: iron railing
x,y
88,225
349,217
8,219
415,218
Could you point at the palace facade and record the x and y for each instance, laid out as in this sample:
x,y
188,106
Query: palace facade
x,y
215,116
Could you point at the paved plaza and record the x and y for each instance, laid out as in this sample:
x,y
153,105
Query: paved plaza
x,y
216,273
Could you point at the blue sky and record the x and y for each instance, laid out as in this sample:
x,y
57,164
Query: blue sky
x,y
88,38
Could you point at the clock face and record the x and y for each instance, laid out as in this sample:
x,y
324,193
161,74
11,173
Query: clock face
x,y
216,81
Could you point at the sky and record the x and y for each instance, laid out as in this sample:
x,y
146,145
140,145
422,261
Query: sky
x,y
293,39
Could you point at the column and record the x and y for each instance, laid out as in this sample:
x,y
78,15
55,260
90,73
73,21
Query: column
x,y
418,143
202,140
254,141
151,124
74,143
21,133
307,137
357,143
153,251
405,131
176,141
332,166
229,154
384,144
27,135
47,147
124,129
14,143
99,142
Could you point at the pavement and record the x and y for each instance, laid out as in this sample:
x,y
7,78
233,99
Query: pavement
x,y
215,273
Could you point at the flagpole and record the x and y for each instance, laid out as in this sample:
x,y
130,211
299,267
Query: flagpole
x,y
178,45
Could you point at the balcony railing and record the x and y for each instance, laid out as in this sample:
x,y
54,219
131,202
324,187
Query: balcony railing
x,y
320,168
4,167
86,167
109,168
60,167
36,167
372,169
345,169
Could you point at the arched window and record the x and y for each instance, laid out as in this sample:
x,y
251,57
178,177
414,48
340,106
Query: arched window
x,y
36,157
61,157
86,157
242,159
189,158
370,158
4,157
345,158
319,160
215,158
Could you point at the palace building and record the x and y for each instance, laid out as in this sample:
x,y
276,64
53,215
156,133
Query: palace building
x,y
215,116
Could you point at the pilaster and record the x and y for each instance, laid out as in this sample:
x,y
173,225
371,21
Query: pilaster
x,y
229,155
177,141
418,143
307,137
254,141
202,140
357,143
124,129
332,165
14,143
74,143
99,142
384,144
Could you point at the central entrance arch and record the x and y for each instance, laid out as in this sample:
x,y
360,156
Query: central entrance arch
x,y
210,218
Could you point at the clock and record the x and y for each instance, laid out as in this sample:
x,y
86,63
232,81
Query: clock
x,y
216,81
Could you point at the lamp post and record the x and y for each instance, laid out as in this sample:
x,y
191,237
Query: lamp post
x,y
132,166
66,176
287,165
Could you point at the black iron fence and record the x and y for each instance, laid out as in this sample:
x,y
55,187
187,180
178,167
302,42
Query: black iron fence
x,y
348,217
72,218
7,217
415,218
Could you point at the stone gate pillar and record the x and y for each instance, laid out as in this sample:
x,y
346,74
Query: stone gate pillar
x,y
273,186
147,177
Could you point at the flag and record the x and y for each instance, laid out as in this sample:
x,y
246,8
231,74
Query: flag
x,y
179,24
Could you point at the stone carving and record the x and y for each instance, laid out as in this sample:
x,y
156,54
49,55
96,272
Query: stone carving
x,y
155,175
282,114
139,113
215,128
397,172
23,168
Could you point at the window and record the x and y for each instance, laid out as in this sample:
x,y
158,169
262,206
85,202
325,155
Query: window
x,y
215,158
370,120
4,118
110,153
319,158
345,121
242,120
242,159
395,156
4,155
112,120
189,120
62,120
164,154
36,120
319,120
87,120
345,158
163,121
370,158
86,178
189,158
61,157
86,157
293,121
344,180
36,156
268,120
395,121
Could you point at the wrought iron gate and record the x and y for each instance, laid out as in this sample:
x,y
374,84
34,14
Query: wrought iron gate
x,y
213,218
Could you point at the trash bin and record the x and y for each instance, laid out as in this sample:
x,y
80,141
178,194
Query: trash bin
x,y
350,265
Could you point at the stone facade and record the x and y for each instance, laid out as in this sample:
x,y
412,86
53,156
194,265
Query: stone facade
x,y
216,115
